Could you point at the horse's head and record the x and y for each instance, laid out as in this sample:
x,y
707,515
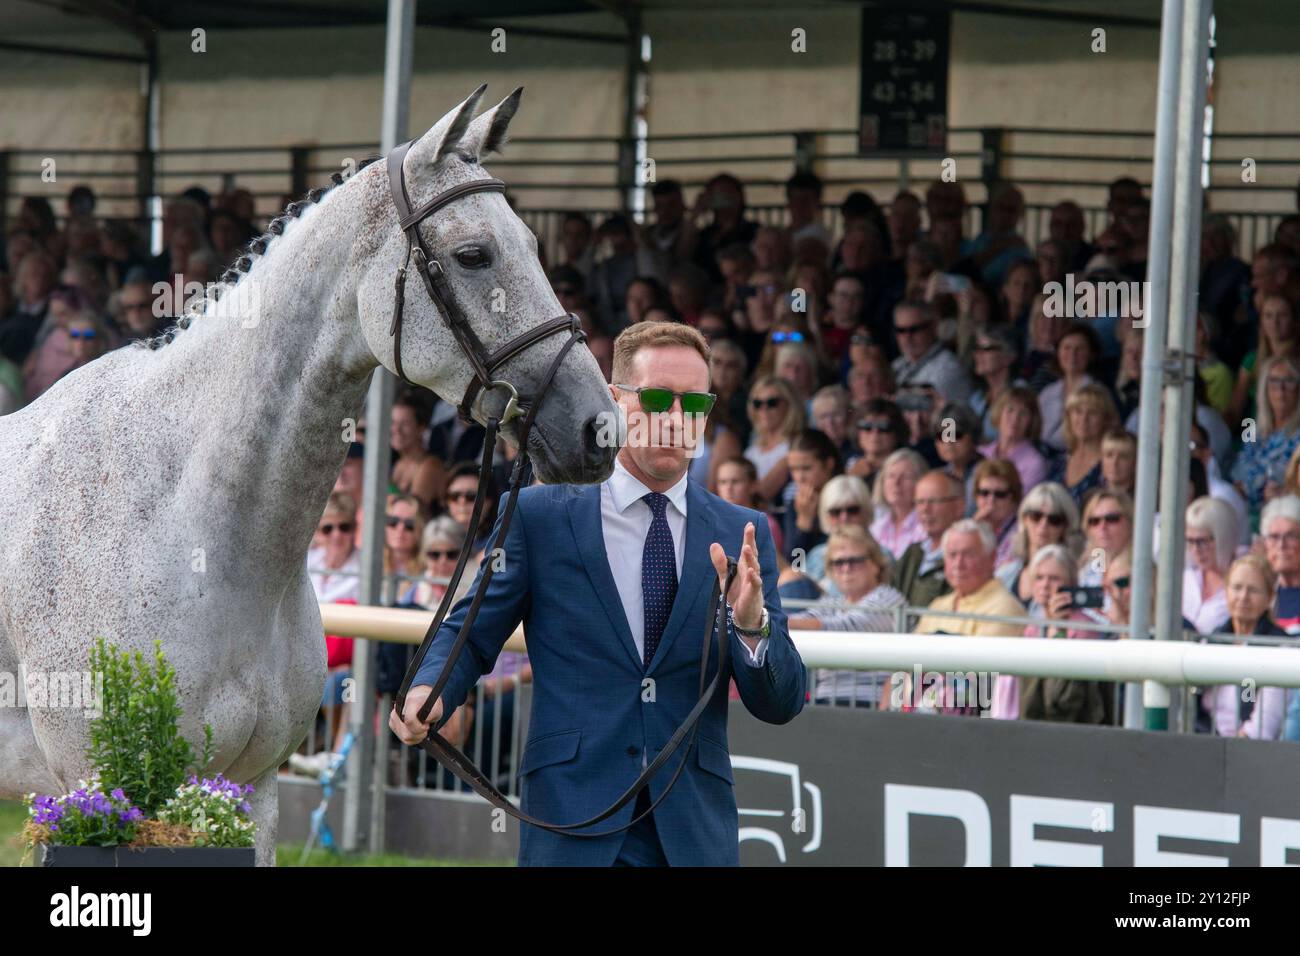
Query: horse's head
x,y
484,290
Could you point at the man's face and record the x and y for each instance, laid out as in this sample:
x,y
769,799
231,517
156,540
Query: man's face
x,y
915,332
966,564
1118,464
1066,224
574,236
938,505
662,445
904,220
1265,277
1282,544
669,209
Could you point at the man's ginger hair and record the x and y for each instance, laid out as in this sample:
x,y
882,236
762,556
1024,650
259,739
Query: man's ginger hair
x,y
648,335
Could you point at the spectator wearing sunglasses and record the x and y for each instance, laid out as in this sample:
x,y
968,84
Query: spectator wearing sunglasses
x,y
334,567
790,329
89,339
459,496
813,461
859,571
956,430
403,528
881,430
1047,515
845,502
1108,527
777,417
922,359
997,497
994,354
52,356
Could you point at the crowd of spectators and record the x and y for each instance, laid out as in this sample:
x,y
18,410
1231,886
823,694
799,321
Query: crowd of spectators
x,y
905,401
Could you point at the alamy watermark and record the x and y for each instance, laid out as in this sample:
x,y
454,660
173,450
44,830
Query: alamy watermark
x,y
1090,299
50,690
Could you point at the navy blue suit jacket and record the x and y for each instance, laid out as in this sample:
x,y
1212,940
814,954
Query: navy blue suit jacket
x,y
589,723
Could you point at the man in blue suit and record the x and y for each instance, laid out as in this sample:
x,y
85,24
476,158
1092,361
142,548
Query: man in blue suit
x,y
612,584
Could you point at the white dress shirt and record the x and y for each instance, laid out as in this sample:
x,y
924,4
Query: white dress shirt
x,y
624,523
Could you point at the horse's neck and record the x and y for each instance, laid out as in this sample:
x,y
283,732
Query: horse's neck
x,y
268,382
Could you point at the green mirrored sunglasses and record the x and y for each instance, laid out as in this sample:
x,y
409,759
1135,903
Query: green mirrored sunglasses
x,y
655,400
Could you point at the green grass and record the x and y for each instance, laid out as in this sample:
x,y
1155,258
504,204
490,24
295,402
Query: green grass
x,y
13,815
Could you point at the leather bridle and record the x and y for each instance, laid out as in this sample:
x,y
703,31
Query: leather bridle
x,y
482,362
484,365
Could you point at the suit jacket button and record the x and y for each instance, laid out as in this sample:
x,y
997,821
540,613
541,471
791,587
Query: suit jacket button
x,y
633,751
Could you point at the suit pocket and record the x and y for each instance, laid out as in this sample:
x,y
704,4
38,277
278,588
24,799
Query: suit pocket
x,y
713,758
550,749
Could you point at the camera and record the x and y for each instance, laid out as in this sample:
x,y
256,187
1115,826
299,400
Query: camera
x,y
1085,597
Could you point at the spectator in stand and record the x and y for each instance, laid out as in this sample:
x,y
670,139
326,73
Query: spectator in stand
x,y
1119,460
670,239
859,570
845,501
403,532
416,472
1279,334
1122,193
1211,537
803,198
228,235
1018,423
1037,367
813,461
122,252
1047,515
1280,532
777,417
643,294
1016,295
89,339
728,370
1287,233
458,498
1273,271
1051,698
1108,524
968,556
1077,351
724,197
335,572
1000,244
859,209
1264,459
797,364
688,291
577,251
1089,414
738,484
813,279
946,236
923,360
1231,713
53,355
997,496
1053,260
919,572
34,281
895,523
771,249
1213,373
904,223
1135,222
440,545
956,435
1217,487
945,200
1225,279
1066,225
830,415
870,379
847,301
881,430
995,352
613,273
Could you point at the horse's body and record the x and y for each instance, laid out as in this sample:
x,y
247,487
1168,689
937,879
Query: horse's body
x,y
172,493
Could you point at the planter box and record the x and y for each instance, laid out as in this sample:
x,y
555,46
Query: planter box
x,y
100,856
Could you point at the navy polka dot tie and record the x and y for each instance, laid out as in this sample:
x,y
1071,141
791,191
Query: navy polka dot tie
x,y
658,573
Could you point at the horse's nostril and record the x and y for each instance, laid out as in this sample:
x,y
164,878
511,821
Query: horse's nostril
x,y
596,450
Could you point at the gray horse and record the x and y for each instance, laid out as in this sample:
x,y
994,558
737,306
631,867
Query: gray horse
x,y
171,492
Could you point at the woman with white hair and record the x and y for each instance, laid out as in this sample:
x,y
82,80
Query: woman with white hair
x,y
1277,431
1211,538
844,502
896,525
1047,515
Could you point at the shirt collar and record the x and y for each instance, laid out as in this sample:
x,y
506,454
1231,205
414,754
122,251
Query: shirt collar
x,y
625,488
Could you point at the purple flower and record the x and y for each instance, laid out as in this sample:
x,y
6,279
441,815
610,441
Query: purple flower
x,y
118,794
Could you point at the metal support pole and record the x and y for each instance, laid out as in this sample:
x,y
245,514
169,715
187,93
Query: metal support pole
x,y
361,824
633,149
150,141
1180,400
1155,320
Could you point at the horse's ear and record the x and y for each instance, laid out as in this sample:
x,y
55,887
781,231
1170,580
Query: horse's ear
x,y
487,134
445,135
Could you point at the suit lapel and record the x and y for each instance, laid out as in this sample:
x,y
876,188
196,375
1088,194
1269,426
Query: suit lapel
x,y
697,569
584,520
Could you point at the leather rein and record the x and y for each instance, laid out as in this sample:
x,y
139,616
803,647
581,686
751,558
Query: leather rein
x,y
484,365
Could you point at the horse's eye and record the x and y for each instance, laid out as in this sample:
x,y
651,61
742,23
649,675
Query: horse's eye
x,y
473,258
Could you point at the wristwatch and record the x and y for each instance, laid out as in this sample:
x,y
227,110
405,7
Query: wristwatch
x,y
763,630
